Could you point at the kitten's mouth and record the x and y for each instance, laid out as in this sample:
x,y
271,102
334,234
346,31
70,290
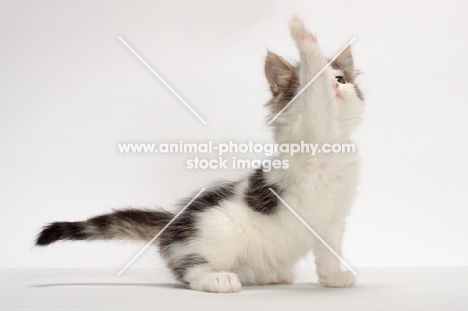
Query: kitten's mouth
x,y
336,89
337,94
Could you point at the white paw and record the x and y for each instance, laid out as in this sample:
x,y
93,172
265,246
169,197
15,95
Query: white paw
x,y
218,282
286,277
284,282
338,279
299,32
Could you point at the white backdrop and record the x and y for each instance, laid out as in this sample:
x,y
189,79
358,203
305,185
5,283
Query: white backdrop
x,y
70,91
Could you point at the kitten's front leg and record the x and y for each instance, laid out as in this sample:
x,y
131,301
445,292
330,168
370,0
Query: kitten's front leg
x,y
318,101
312,60
328,265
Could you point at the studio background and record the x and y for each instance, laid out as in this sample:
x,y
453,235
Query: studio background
x,y
70,91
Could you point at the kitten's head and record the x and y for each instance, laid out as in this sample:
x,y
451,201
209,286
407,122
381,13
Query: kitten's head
x,y
283,79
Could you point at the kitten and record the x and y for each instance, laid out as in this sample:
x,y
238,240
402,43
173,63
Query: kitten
x,y
239,232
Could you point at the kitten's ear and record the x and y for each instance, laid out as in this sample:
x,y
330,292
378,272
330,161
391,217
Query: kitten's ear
x,y
279,73
345,62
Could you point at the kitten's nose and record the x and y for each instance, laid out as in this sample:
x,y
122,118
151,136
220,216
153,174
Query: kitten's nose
x,y
335,84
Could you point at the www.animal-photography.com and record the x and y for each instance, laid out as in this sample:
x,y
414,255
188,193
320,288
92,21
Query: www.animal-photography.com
x,y
241,155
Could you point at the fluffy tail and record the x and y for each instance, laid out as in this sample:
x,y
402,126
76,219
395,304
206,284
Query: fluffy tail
x,y
128,224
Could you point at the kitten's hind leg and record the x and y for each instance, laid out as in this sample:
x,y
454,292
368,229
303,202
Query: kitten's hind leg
x,y
204,278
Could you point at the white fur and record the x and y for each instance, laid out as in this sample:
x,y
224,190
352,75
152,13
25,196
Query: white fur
x,y
244,246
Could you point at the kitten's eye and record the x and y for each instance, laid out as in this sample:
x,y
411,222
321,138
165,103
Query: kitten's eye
x,y
340,79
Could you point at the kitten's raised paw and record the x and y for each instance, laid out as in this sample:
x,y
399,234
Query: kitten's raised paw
x,y
339,279
218,282
299,32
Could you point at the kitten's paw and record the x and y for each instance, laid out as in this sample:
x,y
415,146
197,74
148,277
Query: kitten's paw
x,y
218,282
284,282
299,32
286,277
338,279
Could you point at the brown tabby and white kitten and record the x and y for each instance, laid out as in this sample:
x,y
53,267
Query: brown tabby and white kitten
x,y
239,233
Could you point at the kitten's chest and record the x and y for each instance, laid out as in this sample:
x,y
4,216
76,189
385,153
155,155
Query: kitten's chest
x,y
318,181
318,174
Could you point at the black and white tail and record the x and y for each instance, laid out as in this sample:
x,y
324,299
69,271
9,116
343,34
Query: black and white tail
x,y
127,224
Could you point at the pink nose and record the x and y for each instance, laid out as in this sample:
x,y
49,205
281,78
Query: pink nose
x,y
335,84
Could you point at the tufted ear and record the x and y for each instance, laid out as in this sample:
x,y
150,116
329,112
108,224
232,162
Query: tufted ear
x,y
345,63
279,73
